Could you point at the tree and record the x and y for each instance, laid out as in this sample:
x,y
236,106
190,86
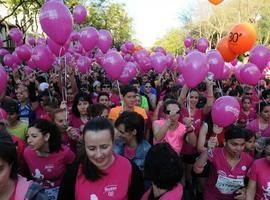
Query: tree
x,y
172,41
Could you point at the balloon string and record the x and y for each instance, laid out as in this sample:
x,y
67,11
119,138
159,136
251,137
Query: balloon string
x,y
220,88
49,91
188,104
120,95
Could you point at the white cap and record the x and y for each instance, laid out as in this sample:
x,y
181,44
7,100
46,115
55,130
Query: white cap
x,y
43,86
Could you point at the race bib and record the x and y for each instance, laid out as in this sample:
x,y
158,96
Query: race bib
x,y
52,193
228,185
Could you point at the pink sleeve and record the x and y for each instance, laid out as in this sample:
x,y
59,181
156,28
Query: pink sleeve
x,y
211,155
252,172
69,156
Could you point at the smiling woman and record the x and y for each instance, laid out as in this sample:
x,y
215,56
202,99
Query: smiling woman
x,y
97,174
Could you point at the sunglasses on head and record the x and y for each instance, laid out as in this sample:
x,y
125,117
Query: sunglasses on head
x,y
168,112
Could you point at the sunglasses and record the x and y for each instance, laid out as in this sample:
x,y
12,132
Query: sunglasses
x,y
247,93
106,86
168,112
147,86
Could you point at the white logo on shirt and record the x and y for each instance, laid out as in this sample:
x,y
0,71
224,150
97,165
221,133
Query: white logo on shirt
x,y
110,190
228,185
93,197
266,191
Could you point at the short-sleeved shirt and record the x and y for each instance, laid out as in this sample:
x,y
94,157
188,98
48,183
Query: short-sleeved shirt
x,y
260,173
115,112
223,180
254,127
19,130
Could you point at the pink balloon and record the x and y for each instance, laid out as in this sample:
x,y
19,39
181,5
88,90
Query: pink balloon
x,y
142,59
56,21
78,48
16,35
3,80
234,62
195,68
74,36
56,49
89,38
43,57
84,64
41,41
105,40
129,72
3,52
8,60
181,80
202,45
31,40
113,64
3,114
179,64
158,62
237,73
79,14
225,111
161,50
216,63
170,60
226,72
24,52
123,49
260,56
129,46
31,63
17,60
188,42
250,74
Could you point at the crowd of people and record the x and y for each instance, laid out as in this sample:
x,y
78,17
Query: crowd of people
x,y
71,136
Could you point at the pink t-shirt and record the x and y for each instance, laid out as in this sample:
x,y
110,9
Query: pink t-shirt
x,y
254,126
114,185
76,122
48,171
223,180
176,193
115,99
246,119
197,118
174,138
260,173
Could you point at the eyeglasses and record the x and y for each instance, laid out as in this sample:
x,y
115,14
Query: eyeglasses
x,y
168,112
247,93
147,86
106,86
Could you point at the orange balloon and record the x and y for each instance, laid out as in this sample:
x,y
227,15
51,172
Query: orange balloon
x,y
215,2
242,38
224,50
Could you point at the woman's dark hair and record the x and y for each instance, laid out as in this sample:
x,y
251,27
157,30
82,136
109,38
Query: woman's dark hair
x,y
95,110
249,134
234,132
260,106
128,88
267,142
45,126
80,97
265,94
8,153
170,101
132,121
102,94
163,166
89,170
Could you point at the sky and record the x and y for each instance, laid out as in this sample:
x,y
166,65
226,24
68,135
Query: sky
x,y
153,18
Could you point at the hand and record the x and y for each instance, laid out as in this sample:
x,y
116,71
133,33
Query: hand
x,y
32,77
54,78
212,142
73,133
63,105
168,122
240,194
188,121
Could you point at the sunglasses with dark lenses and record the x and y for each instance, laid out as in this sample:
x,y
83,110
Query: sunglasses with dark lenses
x,y
106,86
147,86
168,112
247,93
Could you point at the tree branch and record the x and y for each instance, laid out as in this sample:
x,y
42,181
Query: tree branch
x,y
13,11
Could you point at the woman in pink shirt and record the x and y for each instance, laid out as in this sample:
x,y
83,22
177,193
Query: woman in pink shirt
x,y
259,177
45,157
12,185
99,173
164,168
228,167
247,113
171,130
